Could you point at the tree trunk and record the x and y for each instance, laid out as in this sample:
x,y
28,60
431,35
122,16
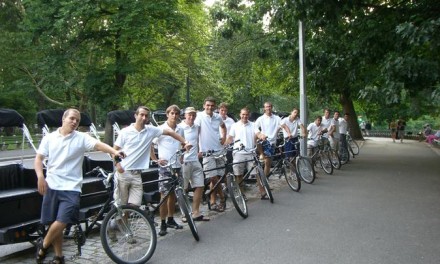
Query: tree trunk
x,y
348,107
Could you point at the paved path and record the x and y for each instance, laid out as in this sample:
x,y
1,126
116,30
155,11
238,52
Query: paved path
x,y
380,208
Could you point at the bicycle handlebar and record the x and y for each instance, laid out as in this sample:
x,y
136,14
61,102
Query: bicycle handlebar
x,y
98,171
174,157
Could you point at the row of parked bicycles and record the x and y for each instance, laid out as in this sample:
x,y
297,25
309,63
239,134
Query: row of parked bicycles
x,y
128,234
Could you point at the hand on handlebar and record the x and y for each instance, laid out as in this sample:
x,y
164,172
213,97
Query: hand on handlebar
x,y
119,156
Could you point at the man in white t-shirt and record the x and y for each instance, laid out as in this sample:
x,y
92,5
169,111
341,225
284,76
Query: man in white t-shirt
x,y
244,132
223,111
326,121
269,125
136,140
61,189
192,170
210,140
333,133
314,129
343,128
290,125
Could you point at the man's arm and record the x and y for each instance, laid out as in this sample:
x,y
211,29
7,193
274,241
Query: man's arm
x,y
177,137
100,146
41,181
287,129
303,130
223,132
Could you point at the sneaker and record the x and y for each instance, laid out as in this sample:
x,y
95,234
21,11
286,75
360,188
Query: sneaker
x,y
163,230
57,260
172,224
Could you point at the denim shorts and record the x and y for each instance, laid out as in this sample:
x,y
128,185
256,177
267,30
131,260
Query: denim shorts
x,y
61,206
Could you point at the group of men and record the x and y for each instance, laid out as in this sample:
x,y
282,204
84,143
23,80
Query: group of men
x,y
199,132
333,128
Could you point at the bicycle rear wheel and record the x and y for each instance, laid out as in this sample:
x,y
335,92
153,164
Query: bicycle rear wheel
x,y
354,147
236,196
265,183
186,210
128,235
334,157
305,169
326,163
291,175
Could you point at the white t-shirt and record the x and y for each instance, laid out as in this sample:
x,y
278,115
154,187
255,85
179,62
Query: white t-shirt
x,y
228,123
343,126
269,126
209,131
191,134
136,146
326,123
65,157
314,131
335,123
293,126
167,145
245,133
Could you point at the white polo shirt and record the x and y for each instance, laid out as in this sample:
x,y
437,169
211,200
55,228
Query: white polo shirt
x,y
209,131
326,123
245,133
335,123
293,126
65,158
269,126
191,134
167,145
228,123
136,146
314,131
343,126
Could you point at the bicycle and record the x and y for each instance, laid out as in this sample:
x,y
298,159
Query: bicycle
x,y
321,154
174,183
233,186
353,146
344,154
283,166
136,240
303,166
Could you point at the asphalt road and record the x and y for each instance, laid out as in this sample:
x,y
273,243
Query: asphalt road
x,y
382,207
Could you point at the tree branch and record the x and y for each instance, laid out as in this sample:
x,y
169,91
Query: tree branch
x,y
37,86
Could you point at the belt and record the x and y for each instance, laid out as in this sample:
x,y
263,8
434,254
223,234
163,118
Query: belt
x,y
135,172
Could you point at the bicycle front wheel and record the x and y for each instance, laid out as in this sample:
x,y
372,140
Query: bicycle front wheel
x,y
326,163
186,210
334,157
291,175
354,147
128,235
305,169
236,196
265,183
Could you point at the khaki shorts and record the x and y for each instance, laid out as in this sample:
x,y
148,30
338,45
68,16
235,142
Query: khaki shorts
x,y
193,173
240,167
210,165
128,188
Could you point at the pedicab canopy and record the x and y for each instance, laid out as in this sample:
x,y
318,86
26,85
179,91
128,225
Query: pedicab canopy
x,y
10,118
53,118
121,117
